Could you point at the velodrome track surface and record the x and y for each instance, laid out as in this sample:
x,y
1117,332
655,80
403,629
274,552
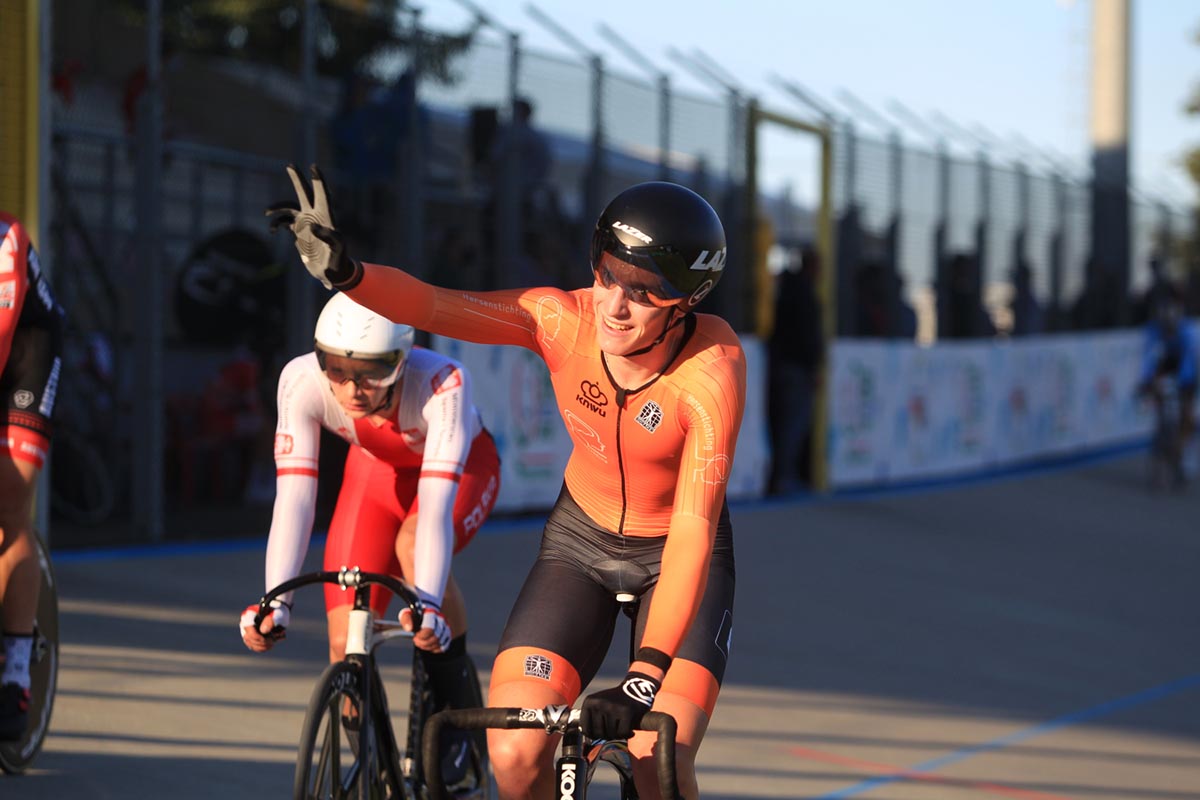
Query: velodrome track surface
x,y
1033,637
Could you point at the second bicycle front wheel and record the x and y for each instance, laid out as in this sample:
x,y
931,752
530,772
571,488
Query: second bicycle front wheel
x,y
335,761
16,757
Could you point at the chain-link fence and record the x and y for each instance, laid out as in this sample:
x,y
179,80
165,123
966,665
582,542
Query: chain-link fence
x,y
976,245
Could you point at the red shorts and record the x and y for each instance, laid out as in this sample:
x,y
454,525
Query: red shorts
x,y
376,498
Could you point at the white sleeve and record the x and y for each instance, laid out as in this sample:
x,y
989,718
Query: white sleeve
x,y
447,415
297,446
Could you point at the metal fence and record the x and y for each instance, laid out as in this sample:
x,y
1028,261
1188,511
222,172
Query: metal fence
x,y
184,309
908,212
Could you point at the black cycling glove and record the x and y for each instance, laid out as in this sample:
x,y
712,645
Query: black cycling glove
x,y
614,713
310,220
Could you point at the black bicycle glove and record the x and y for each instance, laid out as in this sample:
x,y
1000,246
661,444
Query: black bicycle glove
x,y
614,713
310,220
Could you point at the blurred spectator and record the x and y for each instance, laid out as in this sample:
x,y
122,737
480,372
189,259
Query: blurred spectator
x,y
64,79
882,312
533,154
366,136
904,322
965,318
217,434
136,84
535,196
1160,286
872,293
796,350
1026,310
457,258
1099,305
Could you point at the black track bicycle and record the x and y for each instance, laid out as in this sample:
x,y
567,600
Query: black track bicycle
x,y
348,748
16,757
579,756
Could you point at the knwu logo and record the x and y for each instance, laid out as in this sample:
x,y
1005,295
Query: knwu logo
x,y
592,398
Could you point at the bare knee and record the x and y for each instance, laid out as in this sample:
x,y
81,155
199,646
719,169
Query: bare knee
x,y
16,541
520,760
337,620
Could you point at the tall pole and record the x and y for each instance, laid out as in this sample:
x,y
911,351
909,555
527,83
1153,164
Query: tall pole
x,y
149,400
301,291
1110,147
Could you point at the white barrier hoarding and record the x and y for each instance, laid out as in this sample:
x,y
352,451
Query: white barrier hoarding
x,y
901,412
513,393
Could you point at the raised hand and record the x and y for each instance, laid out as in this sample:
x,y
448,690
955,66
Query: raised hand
x,y
310,219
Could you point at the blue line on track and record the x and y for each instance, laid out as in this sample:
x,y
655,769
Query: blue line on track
x,y
509,524
1074,718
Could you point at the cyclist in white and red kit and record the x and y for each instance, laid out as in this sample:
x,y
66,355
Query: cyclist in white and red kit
x,y
421,475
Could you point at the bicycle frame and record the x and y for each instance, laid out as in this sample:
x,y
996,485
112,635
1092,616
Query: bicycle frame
x,y
377,746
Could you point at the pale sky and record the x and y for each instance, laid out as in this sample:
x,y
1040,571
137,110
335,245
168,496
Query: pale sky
x,y
1016,68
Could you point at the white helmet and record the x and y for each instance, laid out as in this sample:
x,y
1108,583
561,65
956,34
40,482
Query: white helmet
x,y
348,329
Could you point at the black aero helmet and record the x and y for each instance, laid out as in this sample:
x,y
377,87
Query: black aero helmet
x,y
668,230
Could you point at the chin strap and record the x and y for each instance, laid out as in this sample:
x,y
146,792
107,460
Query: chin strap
x,y
672,321
386,401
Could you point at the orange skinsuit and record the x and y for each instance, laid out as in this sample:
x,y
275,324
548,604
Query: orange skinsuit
x,y
645,463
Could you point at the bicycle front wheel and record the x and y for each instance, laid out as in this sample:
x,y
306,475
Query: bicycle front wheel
x,y
335,761
43,672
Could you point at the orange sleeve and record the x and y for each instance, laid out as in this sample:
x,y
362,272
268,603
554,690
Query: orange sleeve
x,y
14,280
713,410
531,318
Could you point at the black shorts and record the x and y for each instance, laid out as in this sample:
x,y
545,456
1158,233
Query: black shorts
x,y
29,383
568,604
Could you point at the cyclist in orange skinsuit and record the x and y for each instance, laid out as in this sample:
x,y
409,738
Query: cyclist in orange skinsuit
x,y
652,395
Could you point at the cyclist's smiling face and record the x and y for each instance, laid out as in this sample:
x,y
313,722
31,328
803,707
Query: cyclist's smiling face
x,y
358,384
628,314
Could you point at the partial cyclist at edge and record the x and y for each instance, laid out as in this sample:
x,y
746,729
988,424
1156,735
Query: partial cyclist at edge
x,y
31,330
652,394
421,475
1170,349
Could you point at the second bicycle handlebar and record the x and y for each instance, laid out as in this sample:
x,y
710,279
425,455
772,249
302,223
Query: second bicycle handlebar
x,y
552,719
347,578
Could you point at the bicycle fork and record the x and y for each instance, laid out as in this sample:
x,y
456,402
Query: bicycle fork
x,y
571,769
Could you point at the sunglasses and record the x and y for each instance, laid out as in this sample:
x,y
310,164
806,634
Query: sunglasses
x,y
371,375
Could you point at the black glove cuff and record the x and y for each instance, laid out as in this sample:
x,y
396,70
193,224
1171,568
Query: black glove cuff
x,y
348,275
654,657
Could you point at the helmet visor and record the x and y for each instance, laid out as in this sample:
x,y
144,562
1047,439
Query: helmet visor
x,y
657,261
641,286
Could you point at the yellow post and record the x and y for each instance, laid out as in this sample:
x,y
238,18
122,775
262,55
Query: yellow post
x,y
827,292
20,54
826,289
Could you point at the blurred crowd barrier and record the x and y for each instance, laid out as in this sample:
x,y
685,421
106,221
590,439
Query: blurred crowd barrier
x,y
901,413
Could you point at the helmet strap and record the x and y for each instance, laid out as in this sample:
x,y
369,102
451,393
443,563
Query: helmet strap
x,y
673,320
690,319
387,399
